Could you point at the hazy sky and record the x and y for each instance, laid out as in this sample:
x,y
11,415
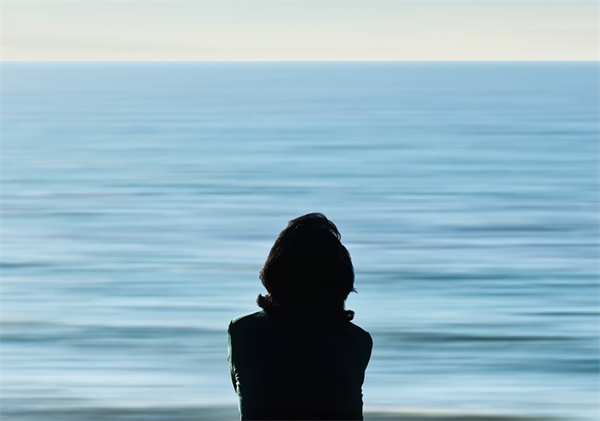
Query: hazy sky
x,y
300,30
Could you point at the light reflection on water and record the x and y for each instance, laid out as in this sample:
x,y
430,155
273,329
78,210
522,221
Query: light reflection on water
x,y
140,200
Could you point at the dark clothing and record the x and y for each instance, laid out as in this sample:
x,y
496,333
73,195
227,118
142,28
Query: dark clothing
x,y
287,368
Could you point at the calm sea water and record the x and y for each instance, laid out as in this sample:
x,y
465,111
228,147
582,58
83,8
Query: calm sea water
x,y
139,201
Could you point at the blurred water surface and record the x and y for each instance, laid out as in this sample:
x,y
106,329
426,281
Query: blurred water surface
x,y
139,201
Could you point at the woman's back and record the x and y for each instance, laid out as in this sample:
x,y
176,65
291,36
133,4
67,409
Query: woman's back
x,y
286,367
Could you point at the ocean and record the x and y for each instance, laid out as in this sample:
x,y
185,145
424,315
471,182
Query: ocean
x,y
139,202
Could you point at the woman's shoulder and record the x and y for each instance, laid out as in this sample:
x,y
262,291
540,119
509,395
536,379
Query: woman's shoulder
x,y
262,321
249,318
360,333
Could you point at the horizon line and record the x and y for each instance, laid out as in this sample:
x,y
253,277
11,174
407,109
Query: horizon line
x,y
299,61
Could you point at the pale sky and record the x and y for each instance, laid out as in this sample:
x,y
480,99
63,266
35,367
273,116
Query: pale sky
x,y
300,30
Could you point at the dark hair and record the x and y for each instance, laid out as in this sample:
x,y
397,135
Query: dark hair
x,y
309,269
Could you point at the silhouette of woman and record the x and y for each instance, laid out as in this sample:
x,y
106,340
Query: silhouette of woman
x,y
301,358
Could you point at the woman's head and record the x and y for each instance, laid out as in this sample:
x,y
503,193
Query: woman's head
x,y
308,268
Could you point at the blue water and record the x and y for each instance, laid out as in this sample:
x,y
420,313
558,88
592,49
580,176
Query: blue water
x,y
139,201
